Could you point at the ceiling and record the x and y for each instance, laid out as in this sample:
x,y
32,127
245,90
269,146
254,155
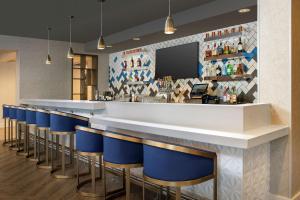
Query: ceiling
x,y
123,19
30,18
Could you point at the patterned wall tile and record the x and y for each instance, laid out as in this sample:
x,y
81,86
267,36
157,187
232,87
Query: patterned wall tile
x,y
246,89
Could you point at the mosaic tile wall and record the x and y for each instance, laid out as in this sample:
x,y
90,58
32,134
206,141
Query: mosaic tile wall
x,y
246,89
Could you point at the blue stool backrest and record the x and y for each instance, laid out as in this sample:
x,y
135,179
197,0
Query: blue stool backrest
x,y
120,149
5,113
175,165
42,118
30,116
21,114
65,122
13,112
89,140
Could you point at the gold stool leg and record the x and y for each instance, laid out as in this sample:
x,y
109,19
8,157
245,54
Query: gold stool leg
x,y
77,170
71,149
8,126
15,140
35,144
100,167
127,171
104,180
178,193
39,145
18,136
215,188
93,169
36,129
51,153
63,156
143,188
47,147
4,132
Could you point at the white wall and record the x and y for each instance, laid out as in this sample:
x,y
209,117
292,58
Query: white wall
x,y
7,85
274,29
103,72
35,79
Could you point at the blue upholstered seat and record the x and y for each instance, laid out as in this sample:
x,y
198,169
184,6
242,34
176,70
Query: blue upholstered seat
x,y
174,166
30,116
65,122
13,112
120,151
89,140
5,113
42,119
21,114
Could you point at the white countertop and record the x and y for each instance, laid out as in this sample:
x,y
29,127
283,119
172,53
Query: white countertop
x,y
244,140
70,104
241,126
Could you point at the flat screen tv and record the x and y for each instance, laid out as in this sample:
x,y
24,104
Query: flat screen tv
x,y
180,62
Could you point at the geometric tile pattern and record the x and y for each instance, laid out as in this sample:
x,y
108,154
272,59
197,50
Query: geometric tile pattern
x,y
246,89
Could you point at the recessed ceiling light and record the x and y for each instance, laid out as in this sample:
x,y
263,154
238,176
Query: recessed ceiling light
x,y
136,38
244,10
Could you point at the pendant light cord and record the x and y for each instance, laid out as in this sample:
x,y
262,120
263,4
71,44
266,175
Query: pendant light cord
x,y
71,30
49,40
101,19
169,7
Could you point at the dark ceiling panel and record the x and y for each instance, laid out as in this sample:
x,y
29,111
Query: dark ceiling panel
x,y
217,22
29,18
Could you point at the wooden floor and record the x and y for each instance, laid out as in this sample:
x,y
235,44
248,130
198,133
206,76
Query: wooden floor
x,y
21,180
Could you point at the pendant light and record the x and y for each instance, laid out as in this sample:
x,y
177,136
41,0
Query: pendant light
x,y
169,25
101,42
48,60
70,54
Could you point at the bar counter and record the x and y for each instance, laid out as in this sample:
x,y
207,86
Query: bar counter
x,y
240,134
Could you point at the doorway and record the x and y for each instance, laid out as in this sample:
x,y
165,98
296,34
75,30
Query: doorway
x,y
7,81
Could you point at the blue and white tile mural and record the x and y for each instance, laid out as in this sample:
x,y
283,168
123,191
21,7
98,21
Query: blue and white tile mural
x,y
145,58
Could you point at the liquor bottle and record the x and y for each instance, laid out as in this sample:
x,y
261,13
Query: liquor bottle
x,y
139,62
207,35
225,94
220,49
224,70
235,66
233,95
208,52
240,46
226,48
240,70
125,65
219,71
132,63
219,34
215,51
232,49
229,68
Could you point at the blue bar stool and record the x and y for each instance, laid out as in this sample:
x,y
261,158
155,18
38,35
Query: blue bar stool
x,y
62,125
89,142
13,124
176,166
121,151
5,116
42,118
31,124
21,128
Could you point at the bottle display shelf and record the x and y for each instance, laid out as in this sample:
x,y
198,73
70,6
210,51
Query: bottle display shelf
x,y
225,56
137,83
235,34
136,69
228,78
